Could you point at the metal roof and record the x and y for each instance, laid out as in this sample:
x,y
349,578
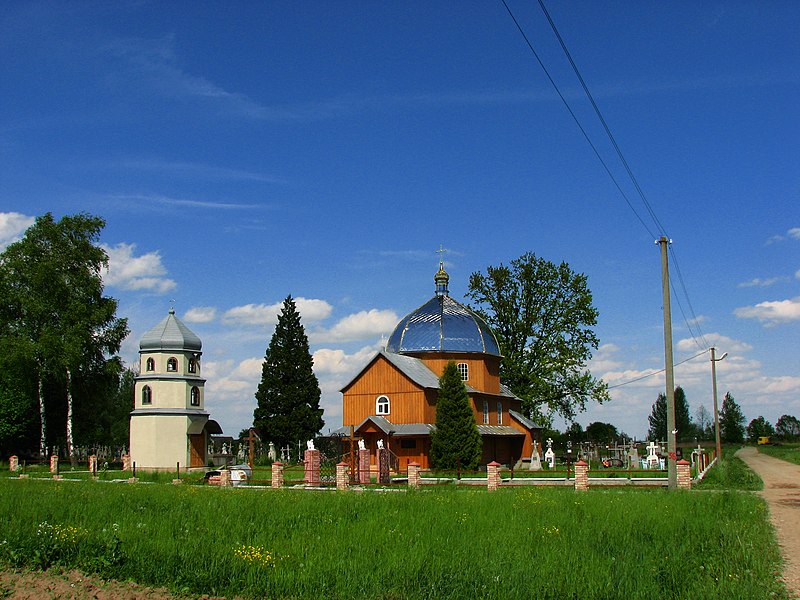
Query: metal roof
x,y
170,334
443,325
525,421
499,430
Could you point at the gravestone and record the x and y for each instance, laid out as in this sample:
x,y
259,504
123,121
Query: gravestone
x,y
653,462
550,456
633,457
536,462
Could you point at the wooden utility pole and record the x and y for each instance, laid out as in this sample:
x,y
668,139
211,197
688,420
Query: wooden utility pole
x,y
672,450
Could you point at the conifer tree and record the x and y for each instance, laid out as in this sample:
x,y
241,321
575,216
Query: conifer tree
x,y
288,396
456,440
731,421
683,420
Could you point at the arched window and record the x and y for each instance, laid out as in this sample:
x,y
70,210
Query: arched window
x,y
195,396
463,369
172,364
485,412
147,395
151,364
192,365
499,413
382,405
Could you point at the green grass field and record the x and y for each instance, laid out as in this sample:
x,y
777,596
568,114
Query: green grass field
x,y
788,452
447,542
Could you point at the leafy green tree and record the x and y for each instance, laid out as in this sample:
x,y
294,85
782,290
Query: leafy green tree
x,y
704,423
288,396
575,433
543,317
18,424
456,440
759,427
601,433
683,421
54,306
788,428
731,421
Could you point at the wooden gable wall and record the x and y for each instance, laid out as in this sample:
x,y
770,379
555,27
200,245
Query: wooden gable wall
x,y
409,403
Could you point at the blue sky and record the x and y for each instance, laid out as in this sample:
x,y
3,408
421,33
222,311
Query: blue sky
x,y
244,152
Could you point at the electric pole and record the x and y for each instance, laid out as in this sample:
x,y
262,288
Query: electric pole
x,y
714,361
672,450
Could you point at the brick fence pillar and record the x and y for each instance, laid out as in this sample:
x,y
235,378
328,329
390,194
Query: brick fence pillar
x,y
413,475
684,475
126,462
363,466
311,467
493,476
13,463
92,464
342,476
581,476
383,466
225,478
54,464
277,475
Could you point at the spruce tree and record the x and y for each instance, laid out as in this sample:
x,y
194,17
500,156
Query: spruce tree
x,y
683,421
288,396
456,440
731,421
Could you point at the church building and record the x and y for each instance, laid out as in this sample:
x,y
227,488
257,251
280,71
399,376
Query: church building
x,y
169,425
393,398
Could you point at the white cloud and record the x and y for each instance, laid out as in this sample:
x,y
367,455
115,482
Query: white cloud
x,y
359,326
330,361
794,233
310,310
200,314
129,272
758,282
722,342
12,226
772,312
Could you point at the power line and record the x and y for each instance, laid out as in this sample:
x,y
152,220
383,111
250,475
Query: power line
x,y
611,387
621,157
575,118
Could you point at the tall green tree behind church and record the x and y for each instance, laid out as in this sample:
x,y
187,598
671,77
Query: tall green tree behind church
x,y
288,396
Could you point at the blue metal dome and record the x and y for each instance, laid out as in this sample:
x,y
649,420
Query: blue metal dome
x,y
442,325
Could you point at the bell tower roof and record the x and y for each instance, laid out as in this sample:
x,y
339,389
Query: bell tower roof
x,y
170,334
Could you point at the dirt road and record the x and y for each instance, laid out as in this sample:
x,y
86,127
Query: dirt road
x,y
782,493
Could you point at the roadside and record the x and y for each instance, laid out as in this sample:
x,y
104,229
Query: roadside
x,y
782,494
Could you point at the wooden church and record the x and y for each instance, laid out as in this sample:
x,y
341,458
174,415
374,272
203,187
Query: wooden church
x,y
169,425
393,398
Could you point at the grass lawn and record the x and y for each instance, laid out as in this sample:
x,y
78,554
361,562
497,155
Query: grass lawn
x,y
450,542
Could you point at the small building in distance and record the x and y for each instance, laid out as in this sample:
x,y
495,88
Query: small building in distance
x,y
169,425
393,398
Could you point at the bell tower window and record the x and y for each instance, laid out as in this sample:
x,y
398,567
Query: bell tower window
x,y
151,364
192,367
195,396
172,365
147,395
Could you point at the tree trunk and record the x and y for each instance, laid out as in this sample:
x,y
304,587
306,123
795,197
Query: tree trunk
x,y
42,420
70,445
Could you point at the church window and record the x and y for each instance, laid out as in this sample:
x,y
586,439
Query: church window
x,y
172,365
382,405
499,413
147,395
192,365
485,412
151,364
463,369
195,396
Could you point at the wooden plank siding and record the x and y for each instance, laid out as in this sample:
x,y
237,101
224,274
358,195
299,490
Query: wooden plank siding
x,y
484,369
